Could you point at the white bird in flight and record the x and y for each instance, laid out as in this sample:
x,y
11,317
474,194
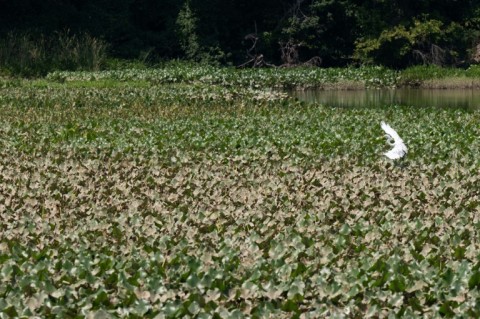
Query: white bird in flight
x,y
399,148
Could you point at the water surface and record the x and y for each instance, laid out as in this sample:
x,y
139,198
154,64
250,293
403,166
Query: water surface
x,y
450,98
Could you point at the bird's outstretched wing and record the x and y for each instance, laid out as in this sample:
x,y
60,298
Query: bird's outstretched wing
x,y
390,131
399,148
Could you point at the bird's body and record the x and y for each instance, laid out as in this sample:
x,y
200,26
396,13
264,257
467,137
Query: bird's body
x,y
399,148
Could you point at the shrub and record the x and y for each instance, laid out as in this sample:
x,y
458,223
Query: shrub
x,y
28,54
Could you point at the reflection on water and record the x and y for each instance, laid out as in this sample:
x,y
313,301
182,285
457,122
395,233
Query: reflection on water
x,y
455,98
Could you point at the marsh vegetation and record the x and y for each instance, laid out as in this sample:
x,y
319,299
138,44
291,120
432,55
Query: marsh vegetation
x,y
199,193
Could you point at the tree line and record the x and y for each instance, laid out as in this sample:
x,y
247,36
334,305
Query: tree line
x,y
394,33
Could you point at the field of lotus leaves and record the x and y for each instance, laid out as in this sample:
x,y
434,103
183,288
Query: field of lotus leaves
x,y
291,78
371,77
201,200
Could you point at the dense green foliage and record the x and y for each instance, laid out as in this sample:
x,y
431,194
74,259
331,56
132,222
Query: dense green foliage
x,y
299,78
245,78
225,201
393,33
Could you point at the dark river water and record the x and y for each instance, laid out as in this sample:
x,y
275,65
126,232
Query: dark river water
x,y
449,98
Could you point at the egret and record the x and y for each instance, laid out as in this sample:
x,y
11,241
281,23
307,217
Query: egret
x,y
399,148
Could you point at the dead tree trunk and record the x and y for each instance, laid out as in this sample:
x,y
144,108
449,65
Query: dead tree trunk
x,y
256,59
289,51
431,54
476,54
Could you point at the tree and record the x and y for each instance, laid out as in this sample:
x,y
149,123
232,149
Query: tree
x,y
401,33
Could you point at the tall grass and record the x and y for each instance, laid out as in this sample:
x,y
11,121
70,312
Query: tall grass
x,y
29,54
432,76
